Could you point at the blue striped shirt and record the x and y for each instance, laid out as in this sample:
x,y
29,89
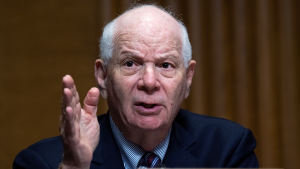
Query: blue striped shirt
x,y
131,153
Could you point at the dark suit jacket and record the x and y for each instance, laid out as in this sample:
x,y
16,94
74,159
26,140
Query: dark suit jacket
x,y
196,141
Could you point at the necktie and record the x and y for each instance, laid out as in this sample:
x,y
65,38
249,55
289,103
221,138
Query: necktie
x,y
149,160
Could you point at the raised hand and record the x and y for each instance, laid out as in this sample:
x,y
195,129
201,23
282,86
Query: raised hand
x,y
79,127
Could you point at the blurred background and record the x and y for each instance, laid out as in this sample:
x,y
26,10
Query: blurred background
x,y
247,54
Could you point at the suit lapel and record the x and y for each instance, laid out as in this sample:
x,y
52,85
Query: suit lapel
x,y
177,154
107,153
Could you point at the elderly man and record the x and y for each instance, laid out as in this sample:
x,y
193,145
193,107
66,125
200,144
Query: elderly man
x,y
145,72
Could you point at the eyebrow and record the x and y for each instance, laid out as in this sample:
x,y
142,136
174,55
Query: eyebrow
x,y
133,54
128,52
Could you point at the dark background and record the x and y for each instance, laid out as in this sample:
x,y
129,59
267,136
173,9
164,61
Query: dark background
x,y
247,54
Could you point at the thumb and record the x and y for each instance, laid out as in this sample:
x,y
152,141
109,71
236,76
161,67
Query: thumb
x,y
90,103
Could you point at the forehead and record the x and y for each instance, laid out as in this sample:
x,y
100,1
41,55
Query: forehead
x,y
146,15
148,26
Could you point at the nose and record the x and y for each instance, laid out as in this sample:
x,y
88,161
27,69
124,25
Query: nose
x,y
148,81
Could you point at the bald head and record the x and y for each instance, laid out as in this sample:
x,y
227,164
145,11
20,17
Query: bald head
x,y
145,20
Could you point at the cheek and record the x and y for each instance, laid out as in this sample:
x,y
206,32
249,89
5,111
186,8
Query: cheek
x,y
175,89
120,89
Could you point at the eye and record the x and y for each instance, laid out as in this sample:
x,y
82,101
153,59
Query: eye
x,y
129,63
165,65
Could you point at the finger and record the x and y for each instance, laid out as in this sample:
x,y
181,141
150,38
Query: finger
x,y
78,112
69,125
67,116
90,103
67,86
68,82
68,98
76,106
69,101
67,122
74,91
76,97
70,94
66,102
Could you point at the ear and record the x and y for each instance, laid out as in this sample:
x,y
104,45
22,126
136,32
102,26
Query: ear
x,y
100,75
189,76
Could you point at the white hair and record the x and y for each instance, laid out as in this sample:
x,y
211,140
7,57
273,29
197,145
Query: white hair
x,y
107,45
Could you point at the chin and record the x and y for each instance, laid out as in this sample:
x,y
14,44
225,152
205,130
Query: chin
x,y
150,123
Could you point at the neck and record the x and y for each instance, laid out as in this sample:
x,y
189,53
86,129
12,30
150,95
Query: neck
x,y
148,140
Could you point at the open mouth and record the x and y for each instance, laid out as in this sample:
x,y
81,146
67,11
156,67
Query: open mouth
x,y
148,108
147,105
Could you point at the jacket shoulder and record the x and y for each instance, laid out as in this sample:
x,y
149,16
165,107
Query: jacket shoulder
x,y
218,142
197,123
46,153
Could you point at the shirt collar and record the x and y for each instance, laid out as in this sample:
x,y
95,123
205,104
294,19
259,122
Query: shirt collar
x,y
131,153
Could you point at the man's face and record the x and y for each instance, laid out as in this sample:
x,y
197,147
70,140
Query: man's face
x,y
146,77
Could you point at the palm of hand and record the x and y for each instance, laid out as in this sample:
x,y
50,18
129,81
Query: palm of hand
x,y
89,130
79,127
